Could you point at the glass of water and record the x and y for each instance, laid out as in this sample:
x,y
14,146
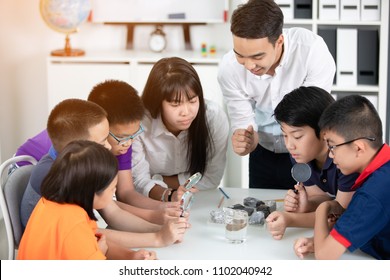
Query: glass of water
x,y
236,224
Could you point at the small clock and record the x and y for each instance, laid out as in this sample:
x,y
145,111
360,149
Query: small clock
x,y
157,40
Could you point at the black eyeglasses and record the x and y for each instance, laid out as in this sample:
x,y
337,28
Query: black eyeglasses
x,y
332,147
123,141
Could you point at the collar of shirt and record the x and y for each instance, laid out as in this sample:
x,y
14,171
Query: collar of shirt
x,y
53,153
326,166
286,49
380,159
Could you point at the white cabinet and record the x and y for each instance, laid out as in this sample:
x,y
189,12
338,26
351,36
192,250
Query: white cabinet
x,y
74,77
68,78
377,93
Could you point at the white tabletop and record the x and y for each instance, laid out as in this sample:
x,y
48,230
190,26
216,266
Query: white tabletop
x,y
206,241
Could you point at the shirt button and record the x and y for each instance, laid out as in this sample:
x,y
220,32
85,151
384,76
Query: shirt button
x,y
323,180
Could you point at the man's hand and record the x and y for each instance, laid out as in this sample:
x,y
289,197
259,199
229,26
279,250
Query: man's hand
x,y
244,141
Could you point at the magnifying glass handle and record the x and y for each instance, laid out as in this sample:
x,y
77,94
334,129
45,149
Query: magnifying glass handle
x,y
295,190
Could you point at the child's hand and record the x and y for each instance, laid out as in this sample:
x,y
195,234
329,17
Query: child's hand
x,y
172,232
166,212
296,200
102,243
276,224
332,219
144,255
171,213
180,191
169,205
304,246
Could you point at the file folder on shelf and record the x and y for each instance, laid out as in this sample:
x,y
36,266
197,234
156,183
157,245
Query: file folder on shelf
x,y
368,57
350,10
346,57
370,10
303,9
329,9
329,35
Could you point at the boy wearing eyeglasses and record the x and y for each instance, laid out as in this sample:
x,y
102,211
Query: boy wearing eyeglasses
x,y
125,111
353,132
122,102
298,114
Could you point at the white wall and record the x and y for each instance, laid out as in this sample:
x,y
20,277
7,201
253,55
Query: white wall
x,y
25,43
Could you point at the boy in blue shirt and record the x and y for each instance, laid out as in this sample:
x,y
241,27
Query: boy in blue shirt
x,y
353,132
298,114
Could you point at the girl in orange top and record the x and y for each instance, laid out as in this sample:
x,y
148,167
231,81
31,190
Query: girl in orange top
x,y
63,225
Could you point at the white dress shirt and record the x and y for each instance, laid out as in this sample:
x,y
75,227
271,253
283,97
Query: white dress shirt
x,y
251,99
158,151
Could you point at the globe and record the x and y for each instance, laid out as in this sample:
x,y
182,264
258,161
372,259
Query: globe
x,y
65,16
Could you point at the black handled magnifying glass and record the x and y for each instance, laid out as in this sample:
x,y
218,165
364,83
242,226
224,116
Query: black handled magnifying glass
x,y
186,202
301,172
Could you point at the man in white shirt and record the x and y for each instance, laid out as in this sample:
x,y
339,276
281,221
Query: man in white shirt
x,y
266,63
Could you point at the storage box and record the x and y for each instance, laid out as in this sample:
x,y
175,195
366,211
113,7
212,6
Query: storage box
x,y
303,9
370,10
329,9
350,10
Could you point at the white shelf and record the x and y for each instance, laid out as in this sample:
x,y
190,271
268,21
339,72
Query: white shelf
x,y
382,25
358,88
346,23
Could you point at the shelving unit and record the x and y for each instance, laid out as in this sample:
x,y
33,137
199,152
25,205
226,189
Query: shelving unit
x,y
373,92
164,12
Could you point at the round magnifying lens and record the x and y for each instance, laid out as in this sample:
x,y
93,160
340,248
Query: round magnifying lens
x,y
186,202
192,181
301,172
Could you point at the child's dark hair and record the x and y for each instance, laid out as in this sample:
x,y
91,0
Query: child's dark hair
x,y
352,117
71,120
258,19
80,171
303,107
120,100
170,79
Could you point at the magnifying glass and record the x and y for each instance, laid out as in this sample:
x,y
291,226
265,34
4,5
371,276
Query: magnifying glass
x,y
186,202
188,197
192,181
301,172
